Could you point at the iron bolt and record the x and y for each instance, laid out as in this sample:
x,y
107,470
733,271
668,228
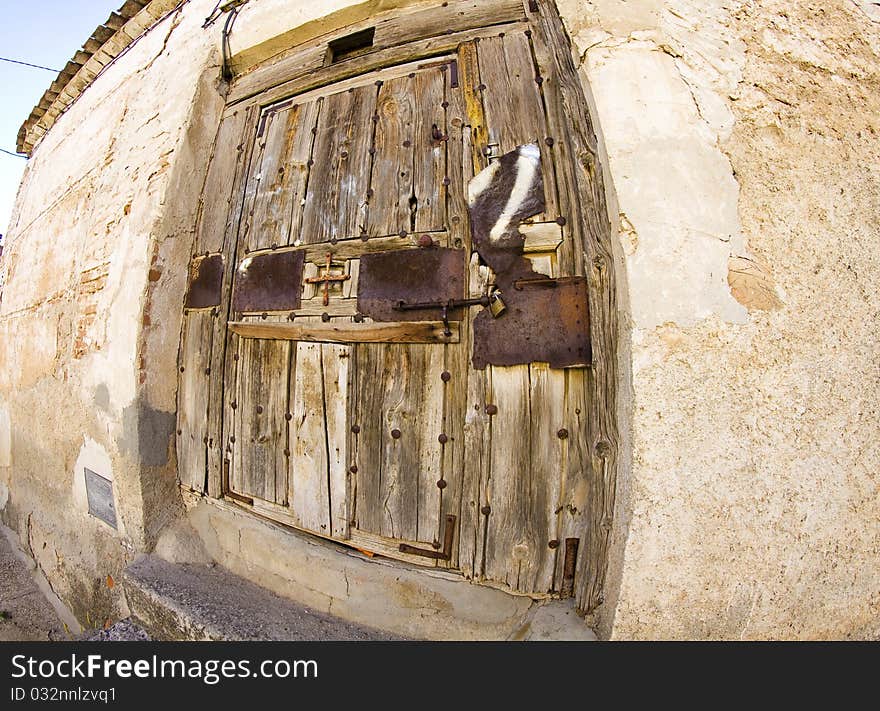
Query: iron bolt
x,y
426,241
562,434
355,429
325,317
491,409
486,510
441,484
233,404
395,433
259,409
553,544
286,452
180,432
561,221
445,376
288,416
182,369
443,439
353,469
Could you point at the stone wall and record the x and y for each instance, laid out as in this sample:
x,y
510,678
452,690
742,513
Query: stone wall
x,y
102,228
742,170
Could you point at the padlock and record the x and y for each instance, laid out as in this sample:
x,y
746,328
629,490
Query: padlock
x,y
496,305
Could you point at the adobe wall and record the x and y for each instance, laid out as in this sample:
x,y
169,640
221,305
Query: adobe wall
x,y
742,167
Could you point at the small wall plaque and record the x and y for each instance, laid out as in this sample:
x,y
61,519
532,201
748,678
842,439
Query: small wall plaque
x,y
100,493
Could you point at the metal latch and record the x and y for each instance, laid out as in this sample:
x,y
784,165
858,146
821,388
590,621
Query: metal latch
x,y
492,301
445,553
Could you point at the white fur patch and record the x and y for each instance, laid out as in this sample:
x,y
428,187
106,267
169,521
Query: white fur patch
x,y
480,182
526,166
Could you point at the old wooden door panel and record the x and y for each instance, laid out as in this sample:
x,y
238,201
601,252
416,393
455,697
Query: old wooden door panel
x,y
524,471
409,157
192,409
318,436
200,393
259,466
337,195
282,175
399,410
379,442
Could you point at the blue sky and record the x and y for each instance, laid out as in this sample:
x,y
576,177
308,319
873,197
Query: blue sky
x,y
46,32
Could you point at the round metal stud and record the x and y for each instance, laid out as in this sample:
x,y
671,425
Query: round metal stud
x,y
425,241
562,433
259,409
441,484
355,429
552,545
445,376
288,416
486,510
325,317
443,439
353,469
395,433
491,409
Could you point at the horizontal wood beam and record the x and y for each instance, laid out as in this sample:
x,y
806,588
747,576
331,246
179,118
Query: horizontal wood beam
x,y
392,332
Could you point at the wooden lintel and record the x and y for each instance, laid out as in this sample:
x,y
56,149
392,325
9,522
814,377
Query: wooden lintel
x,y
396,332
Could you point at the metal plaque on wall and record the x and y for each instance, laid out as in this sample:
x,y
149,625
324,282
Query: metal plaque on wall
x,y
100,493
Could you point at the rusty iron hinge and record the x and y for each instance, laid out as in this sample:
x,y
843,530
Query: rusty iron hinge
x,y
569,566
445,553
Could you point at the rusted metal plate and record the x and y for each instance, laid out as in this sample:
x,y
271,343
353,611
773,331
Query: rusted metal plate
x,y
205,282
269,282
434,274
545,320
542,323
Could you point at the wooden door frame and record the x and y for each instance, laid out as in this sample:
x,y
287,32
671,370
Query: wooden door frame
x,y
295,73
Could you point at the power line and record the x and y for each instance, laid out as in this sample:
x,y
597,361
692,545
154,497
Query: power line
x,y
10,153
28,64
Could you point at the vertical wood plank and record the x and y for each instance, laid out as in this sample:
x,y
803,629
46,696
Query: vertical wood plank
x,y
336,366
429,155
219,195
283,174
513,104
509,553
308,489
391,184
223,371
192,399
547,402
259,463
575,488
336,197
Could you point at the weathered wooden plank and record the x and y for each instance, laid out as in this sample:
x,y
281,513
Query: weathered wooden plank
x,y
429,156
259,463
308,487
391,183
283,175
541,236
581,177
223,370
336,362
353,248
547,406
390,332
218,195
336,196
192,399
575,486
282,80
508,553
409,161
513,105
399,410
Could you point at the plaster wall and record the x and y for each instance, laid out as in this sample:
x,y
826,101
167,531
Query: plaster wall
x,y
87,344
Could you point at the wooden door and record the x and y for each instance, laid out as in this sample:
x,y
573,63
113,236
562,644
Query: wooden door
x,y
371,428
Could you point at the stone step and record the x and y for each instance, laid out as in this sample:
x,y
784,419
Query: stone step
x,y
198,602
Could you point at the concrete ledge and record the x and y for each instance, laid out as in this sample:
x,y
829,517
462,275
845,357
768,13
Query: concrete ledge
x,y
198,602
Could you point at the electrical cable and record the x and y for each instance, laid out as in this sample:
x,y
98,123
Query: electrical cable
x,y
28,64
10,153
